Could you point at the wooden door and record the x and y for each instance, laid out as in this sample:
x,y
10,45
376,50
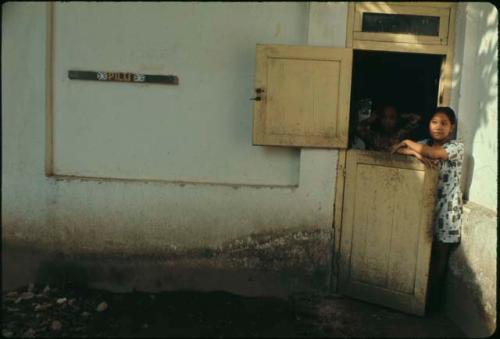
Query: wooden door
x,y
303,96
386,231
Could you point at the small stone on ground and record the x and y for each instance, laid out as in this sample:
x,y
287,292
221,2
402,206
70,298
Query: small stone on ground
x,y
102,307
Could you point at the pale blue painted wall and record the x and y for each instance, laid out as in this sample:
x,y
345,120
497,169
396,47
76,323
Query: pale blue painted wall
x,y
198,131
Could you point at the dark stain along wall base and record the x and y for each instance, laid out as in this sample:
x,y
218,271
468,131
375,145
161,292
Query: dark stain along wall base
x,y
274,263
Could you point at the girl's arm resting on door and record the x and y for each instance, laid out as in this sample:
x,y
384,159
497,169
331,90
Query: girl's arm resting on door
x,y
407,151
432,152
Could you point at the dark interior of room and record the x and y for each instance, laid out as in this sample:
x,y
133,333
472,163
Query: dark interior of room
x,y
407,80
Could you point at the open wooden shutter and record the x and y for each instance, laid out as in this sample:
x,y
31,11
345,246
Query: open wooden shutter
x,y
304,94
386,232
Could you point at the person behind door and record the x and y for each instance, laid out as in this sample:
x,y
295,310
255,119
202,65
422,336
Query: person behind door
x,y
448,155
385,128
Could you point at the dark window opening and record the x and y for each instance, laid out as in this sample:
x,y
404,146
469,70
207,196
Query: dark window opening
x,y
401,23
407,81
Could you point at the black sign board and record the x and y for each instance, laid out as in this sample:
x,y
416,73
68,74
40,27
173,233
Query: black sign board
x,y
124,77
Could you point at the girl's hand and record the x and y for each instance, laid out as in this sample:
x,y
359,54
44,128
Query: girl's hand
x,y
430,163
396,147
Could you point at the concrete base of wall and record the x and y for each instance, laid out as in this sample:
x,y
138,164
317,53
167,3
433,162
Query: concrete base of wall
x,y
470,293
462,308
264,265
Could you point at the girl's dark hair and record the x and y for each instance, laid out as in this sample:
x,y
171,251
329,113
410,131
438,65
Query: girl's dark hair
x,y
450,113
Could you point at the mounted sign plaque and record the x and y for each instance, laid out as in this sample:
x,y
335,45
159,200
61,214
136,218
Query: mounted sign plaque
x,y
124,77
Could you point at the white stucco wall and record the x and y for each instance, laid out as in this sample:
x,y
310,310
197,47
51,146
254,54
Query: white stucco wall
x,y
472,278
475,98
200,130
210,139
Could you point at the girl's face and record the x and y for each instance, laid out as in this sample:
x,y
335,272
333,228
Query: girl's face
x,y
440,127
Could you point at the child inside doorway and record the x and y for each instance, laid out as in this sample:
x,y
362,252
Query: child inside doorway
x,y
386,127
448,155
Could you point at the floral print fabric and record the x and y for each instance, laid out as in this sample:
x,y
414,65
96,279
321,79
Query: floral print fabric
x,y
448,212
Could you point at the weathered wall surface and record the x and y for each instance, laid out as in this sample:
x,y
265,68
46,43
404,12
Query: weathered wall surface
x,y
471,282
278,195
198,131
471,290
475,98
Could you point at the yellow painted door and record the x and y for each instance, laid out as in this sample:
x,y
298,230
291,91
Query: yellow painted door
x,y
303,96
386,231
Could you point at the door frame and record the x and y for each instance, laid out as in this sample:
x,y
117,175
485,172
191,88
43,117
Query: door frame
x,y
444,92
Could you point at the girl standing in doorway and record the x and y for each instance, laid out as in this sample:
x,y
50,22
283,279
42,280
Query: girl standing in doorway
x,y
448,155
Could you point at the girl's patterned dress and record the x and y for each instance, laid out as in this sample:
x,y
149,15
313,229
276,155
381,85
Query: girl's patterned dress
x,y
448,217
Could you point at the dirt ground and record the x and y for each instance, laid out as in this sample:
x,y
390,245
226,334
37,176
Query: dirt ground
x,y
44,311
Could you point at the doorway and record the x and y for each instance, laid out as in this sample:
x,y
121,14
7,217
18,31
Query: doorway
x,y
385,238
409,81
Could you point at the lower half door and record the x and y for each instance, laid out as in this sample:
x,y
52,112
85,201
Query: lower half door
x,y
386,234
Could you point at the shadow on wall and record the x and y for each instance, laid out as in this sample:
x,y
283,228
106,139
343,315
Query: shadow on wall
x,y
478,90
471,279
468,173
474,317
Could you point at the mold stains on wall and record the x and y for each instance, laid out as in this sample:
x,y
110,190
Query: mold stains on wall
x,y
274,263
100,180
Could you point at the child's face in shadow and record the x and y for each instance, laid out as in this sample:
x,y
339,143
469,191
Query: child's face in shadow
x,y
440,127
388,119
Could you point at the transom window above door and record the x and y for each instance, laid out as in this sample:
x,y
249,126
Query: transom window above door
x,y
400,23
403,22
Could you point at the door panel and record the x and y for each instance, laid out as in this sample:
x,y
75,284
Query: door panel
x,y
387,229
291,81
304,96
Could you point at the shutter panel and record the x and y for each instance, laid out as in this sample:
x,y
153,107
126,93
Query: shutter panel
x,y
305,96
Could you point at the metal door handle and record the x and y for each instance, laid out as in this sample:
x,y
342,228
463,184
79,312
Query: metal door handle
x,y
258,91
